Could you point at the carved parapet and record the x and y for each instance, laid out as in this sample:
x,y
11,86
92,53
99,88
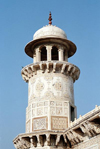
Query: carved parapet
x,y
52,66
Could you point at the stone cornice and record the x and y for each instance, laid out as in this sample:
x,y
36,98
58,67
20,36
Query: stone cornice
x,y
87,125
28,140
50,66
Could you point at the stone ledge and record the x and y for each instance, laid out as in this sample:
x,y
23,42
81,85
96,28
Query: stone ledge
x,y
50,67
38,139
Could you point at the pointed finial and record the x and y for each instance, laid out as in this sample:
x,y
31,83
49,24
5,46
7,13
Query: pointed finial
x,y
50,18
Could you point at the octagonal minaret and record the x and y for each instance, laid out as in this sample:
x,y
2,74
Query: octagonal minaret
x,y
50,81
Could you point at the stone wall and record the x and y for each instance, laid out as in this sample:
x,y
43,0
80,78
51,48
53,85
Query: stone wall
x,y
49,99
92,143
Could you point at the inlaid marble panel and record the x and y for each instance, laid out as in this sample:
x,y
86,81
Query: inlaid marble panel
x,y
59,123
40,123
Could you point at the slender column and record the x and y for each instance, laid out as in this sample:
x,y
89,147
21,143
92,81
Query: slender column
x,y
48,52
34,58
61,55
38,55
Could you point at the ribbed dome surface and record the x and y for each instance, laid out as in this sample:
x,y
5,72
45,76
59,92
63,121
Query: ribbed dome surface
x,y
49,31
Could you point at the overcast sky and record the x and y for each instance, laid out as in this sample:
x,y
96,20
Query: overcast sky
x,y
19,20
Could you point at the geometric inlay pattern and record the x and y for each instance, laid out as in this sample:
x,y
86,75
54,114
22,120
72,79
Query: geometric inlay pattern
x,y
59,123
40,123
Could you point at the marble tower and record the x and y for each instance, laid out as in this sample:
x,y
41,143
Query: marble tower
x,y
51,111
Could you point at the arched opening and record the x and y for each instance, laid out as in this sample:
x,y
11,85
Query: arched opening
x,y
43,54
54,53
65,55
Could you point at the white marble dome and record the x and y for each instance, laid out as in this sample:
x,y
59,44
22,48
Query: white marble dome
x,y
49,31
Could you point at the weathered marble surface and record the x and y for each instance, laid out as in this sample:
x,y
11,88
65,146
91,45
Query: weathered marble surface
x,y
83,133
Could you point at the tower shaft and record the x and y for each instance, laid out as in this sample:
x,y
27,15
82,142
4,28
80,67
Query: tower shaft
x,y
50,81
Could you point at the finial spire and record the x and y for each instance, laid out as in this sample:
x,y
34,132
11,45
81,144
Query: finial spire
x,y
50,18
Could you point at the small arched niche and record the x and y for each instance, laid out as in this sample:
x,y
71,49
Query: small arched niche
x,y
54,53
43,53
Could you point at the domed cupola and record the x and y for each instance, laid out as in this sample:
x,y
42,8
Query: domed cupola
x,y
49,31
50,43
